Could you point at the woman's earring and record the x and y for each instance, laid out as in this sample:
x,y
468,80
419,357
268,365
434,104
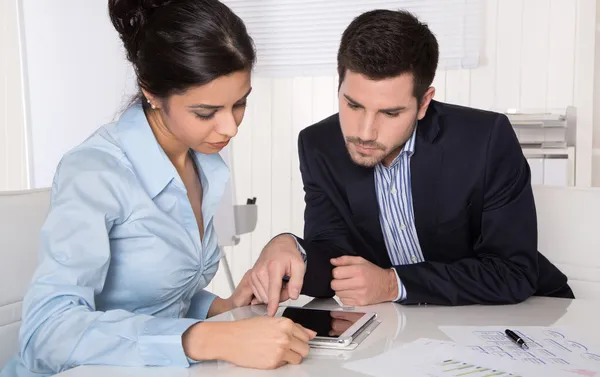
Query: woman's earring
x,y
151,104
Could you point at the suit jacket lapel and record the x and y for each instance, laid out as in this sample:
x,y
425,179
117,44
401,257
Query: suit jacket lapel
x,y
365,210
425,168
425,172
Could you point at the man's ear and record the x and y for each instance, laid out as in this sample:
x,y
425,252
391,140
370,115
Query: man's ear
x,y
425,101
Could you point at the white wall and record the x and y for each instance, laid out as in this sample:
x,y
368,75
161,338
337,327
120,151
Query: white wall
x,y
76,83
596,142
13,161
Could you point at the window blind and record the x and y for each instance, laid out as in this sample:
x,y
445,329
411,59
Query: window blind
x,y
301,37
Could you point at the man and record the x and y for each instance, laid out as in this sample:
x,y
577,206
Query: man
x,y
408,199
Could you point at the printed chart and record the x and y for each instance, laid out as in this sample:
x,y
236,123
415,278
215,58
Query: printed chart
x,y
455,368
546,347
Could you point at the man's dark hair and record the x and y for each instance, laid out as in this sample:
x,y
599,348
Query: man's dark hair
x,y
382,44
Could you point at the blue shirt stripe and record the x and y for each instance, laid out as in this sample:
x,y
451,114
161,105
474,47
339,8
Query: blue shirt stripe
x,y
396,215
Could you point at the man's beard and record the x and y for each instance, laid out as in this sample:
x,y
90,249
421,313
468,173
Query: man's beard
x,y
371,161
364,160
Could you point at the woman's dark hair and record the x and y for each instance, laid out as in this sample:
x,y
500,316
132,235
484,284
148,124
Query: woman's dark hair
x,y
382,44
176,44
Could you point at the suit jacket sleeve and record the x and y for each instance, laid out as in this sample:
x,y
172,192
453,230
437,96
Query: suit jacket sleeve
x,y
504,268
326,234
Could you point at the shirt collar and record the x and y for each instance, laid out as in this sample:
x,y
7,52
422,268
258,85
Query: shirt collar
x,y
214,176
150,162
408,149
153,167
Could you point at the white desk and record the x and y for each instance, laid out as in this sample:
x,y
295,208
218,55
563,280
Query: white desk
x,y
400,324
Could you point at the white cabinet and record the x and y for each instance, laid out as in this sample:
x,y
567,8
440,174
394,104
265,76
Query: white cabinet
x,y
548,142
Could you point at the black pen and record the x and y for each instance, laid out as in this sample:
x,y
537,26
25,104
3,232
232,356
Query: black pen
x,y
515,338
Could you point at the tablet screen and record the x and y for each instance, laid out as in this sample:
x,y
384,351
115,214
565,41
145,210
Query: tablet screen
x,y
326,323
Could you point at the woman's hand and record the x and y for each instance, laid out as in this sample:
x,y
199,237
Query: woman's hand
x,y
259,342
243,293
241,297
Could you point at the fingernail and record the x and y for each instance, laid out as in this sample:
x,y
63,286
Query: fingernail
x,y
295,292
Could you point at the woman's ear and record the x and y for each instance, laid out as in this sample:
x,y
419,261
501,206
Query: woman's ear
x,y
150,99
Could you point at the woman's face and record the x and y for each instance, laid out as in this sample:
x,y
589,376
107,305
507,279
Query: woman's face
x,y
206,117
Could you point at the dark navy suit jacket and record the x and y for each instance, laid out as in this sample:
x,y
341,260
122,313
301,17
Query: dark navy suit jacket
x,y
473,205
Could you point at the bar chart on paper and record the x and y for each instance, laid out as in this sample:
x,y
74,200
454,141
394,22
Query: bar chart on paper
x,y
455,368
550,347
435,358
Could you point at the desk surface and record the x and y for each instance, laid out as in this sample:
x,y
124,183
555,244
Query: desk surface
x,y
400,324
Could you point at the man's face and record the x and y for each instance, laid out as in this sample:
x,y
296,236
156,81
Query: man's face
x,y
378,117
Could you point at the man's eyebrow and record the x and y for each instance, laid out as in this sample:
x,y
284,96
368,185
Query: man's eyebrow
x,y
387,110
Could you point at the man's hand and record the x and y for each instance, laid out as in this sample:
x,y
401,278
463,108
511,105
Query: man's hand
x,y
358,282
279,258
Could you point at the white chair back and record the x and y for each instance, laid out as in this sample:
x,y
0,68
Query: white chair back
x,y
22,214
569,234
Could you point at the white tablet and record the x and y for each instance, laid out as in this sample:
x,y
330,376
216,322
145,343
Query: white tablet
x,y
335,328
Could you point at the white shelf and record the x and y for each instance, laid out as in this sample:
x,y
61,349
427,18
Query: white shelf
x,y
551,166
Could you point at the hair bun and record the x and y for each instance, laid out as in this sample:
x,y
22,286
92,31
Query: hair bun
x,y
129,18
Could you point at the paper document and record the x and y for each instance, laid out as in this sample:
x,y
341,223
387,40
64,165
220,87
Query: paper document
x,y
551,347
459,368
434,358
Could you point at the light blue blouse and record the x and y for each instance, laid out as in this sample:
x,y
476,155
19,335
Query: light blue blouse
x,y
122,267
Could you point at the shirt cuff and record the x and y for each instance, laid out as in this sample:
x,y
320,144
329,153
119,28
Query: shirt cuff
x,y
161,342
200,305
401,290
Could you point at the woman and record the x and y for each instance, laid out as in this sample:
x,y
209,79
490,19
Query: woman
x,y
129,243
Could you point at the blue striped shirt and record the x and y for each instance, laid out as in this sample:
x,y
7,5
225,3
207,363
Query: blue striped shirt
x,y
396,214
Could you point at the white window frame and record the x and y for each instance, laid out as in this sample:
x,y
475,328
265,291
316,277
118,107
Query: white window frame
x,y
301,37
